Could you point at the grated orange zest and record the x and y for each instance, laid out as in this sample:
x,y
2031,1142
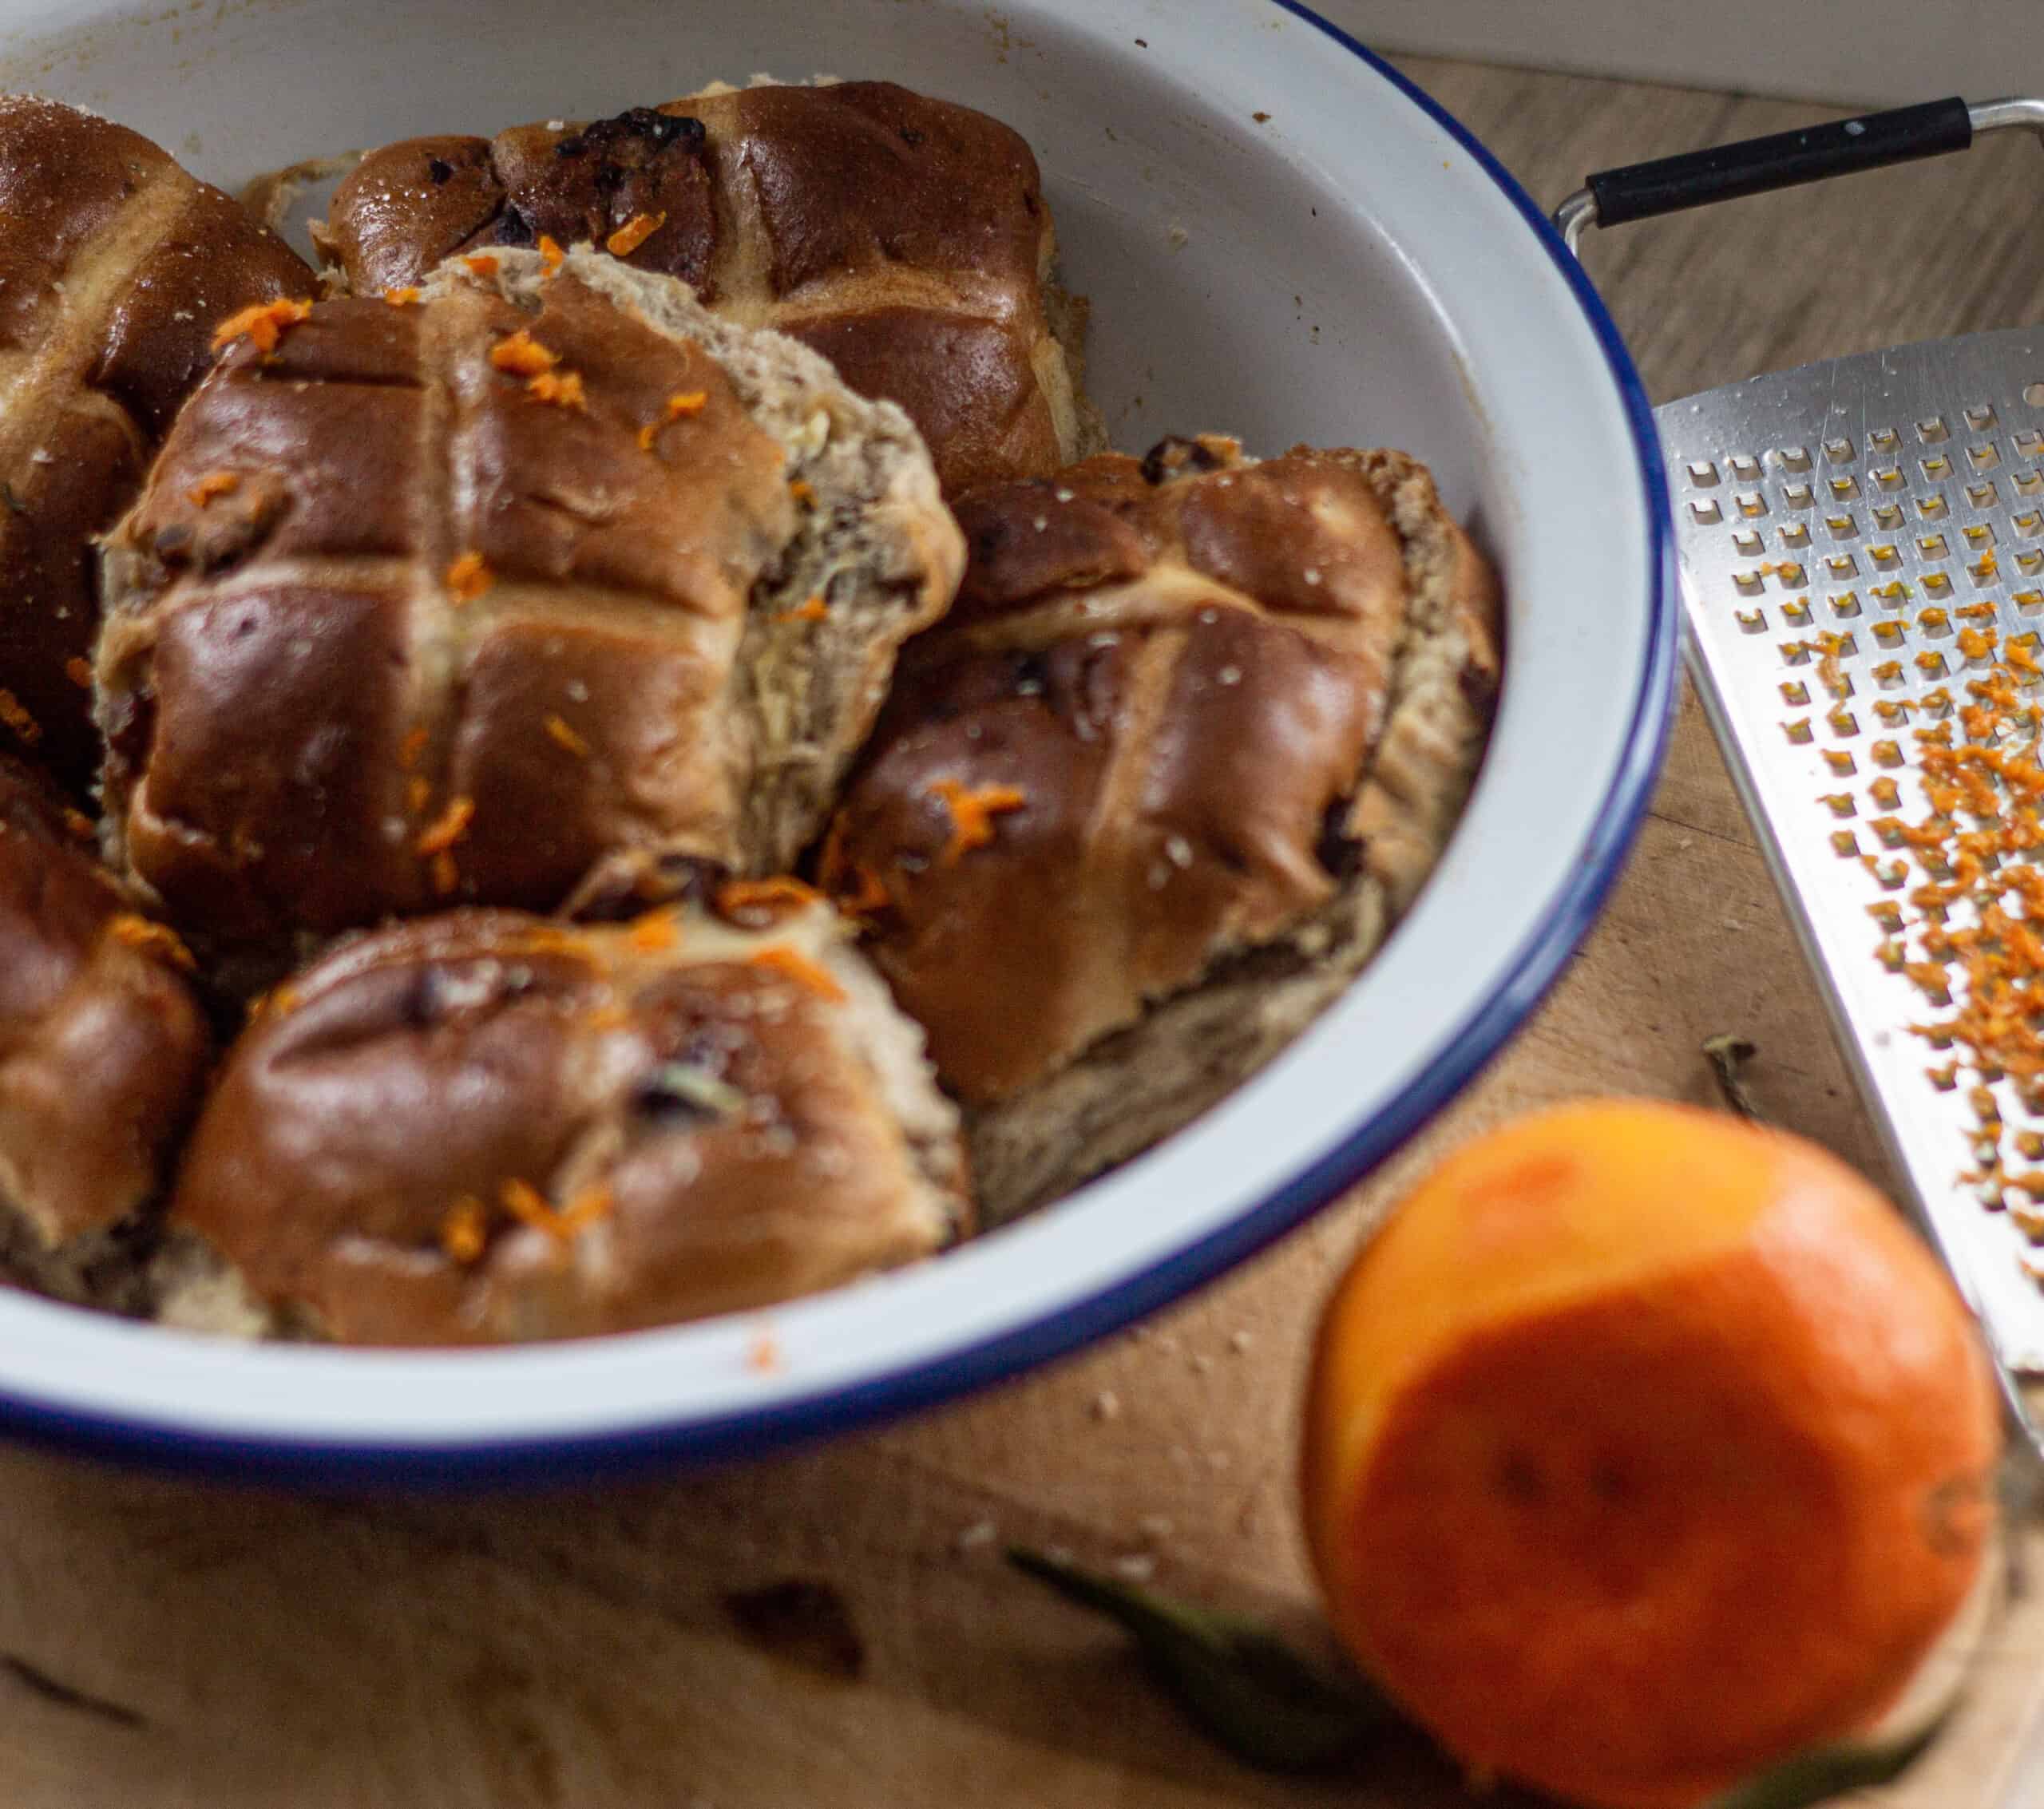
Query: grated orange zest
x,y
792,964
262,325
973,812
634,233
522,355
468,578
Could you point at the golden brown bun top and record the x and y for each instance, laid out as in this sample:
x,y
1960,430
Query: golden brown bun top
x,y
397,624
483,1126
115,268
1127,754
102,1047
904,237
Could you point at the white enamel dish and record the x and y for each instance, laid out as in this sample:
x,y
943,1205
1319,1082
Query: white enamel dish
x,y
1352,269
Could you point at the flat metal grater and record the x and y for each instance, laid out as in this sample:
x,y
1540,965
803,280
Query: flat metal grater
x,y
1861,551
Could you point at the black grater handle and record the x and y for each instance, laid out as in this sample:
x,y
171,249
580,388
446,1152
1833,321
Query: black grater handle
x,y
1782,159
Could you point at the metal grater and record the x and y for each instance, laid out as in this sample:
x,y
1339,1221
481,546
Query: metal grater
x,y
1845,500
1848,499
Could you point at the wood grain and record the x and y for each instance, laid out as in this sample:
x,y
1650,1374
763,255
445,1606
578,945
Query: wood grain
x,y
164,1643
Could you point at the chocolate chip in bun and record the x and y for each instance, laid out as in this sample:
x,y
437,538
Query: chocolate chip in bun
x,y
438,601
904,237
115,270
485,1126
1193,735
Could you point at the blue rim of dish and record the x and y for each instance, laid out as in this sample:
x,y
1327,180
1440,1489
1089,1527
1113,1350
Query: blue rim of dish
x,y
757,1431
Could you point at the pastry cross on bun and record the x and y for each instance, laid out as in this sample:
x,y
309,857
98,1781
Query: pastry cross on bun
x,y
1194,733
442,603
115,268
483,1126
103,1052
906,239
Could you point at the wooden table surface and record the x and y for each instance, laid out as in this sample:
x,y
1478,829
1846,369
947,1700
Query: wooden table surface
x,y
164,1643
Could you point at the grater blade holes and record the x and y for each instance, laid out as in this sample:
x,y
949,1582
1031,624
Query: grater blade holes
x,y
1932,429
1707,512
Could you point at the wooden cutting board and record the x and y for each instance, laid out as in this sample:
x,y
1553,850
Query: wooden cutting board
x,y
166,1644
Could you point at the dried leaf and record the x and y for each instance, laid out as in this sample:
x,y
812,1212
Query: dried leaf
x,y
1831,1771
1242,1685
1729,1056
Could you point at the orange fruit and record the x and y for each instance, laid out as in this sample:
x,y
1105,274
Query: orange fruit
x,y
1644,1449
